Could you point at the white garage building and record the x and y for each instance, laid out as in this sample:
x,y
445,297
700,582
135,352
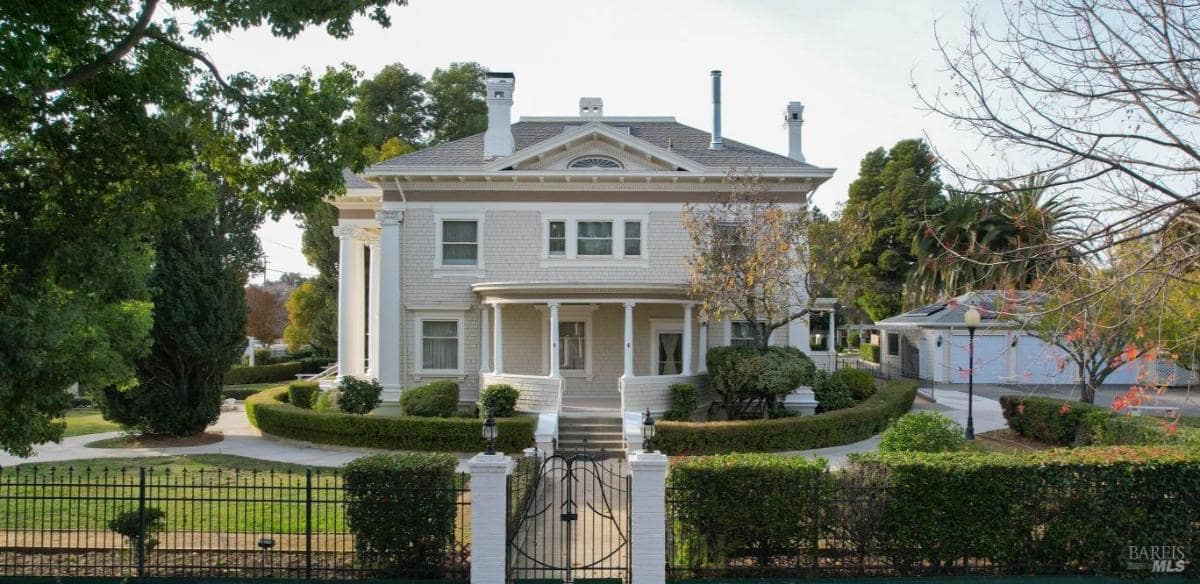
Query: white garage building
x,y
931,343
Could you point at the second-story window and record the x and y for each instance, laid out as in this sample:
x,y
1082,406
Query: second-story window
x,y
633,238
460,243
558,238
595,238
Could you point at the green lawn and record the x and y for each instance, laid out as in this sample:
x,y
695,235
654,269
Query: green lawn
x,y
87,421
202,493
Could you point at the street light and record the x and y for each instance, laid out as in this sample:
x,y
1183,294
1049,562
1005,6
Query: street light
x,y
647,430
489,434
971,319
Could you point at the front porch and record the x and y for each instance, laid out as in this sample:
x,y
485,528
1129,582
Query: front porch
x,y
588,349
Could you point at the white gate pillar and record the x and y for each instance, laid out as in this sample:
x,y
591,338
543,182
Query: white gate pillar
x,y
489,514
647,518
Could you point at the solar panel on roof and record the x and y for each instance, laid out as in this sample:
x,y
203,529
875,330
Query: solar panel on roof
x,y
928,310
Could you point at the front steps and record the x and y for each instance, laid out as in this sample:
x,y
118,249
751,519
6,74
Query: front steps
x,y
597,433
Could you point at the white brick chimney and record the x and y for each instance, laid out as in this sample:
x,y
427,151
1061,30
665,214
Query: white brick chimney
x,y
498,140
795,122
591,107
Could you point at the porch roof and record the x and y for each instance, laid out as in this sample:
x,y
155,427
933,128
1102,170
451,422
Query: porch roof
x,y
580,291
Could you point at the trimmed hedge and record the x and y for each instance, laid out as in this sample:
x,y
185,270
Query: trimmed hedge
x,y
401,510
923,432
796,433
1048,512
684,401
868,352
268,412
500,400
303,394
737,502
1071,423
436,399
242,375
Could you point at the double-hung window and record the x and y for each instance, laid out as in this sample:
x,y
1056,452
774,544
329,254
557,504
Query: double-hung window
x,y
633,238
557,238
741,332
893,344
439,345
460,242
595,238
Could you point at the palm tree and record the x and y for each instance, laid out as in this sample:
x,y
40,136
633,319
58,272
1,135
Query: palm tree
x,y
1009,239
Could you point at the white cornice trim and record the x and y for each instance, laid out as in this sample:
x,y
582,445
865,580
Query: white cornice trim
x,y
604,119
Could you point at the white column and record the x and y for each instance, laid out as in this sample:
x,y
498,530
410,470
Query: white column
x,y
703,348
390,306
628,340
831,344
350,354
489,511
687,339
372,241
647,518
485,333
498,338
554,348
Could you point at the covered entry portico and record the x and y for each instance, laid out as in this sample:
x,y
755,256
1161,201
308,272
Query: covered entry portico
x,y
581,348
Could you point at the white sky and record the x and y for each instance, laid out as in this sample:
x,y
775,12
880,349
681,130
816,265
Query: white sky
x,y
851,63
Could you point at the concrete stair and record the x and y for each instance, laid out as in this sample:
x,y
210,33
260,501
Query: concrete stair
x,y
596,433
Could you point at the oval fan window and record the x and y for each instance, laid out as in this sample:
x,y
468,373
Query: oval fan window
x,y
594,162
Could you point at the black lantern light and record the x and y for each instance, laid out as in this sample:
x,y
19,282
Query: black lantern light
x,y
647,430
489,434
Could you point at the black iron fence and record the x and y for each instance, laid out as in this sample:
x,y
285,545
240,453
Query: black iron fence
x,y
206,522
875,369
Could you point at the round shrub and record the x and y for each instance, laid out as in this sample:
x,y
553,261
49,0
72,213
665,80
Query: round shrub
x,y
744,377
853,339
327,401
684,400
861,383
437,399
923,432
831,392
358,396
500,399
303,394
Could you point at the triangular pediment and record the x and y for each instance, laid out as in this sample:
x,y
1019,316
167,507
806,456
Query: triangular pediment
x,y
595,139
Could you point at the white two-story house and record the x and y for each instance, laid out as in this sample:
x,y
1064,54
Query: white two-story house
x,y
548,254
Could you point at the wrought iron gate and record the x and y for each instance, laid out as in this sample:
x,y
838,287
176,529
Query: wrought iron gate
x,y
568,520
910,356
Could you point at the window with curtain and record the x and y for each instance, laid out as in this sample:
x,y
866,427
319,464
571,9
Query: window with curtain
x,y
439,345
558,238
741,333
633,238
460,243
594,238
572,347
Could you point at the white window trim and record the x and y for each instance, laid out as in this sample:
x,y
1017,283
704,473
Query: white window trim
x,y
418,330
661,325
475,270
728,332
569,313
572,257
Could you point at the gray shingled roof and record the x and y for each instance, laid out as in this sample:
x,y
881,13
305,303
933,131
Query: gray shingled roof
x,y
1000,309
685,141
353,181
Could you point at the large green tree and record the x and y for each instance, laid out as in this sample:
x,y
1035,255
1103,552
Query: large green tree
x,y
392,104
199,325
888,203
456,101
105,106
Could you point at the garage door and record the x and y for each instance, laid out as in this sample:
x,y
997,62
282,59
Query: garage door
x,y
1040,363
991,359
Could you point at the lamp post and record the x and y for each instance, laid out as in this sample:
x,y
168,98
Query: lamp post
x,y
647,430
971,319
489,434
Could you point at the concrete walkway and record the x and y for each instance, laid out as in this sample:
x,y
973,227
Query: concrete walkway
x,y
241,439
951,402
